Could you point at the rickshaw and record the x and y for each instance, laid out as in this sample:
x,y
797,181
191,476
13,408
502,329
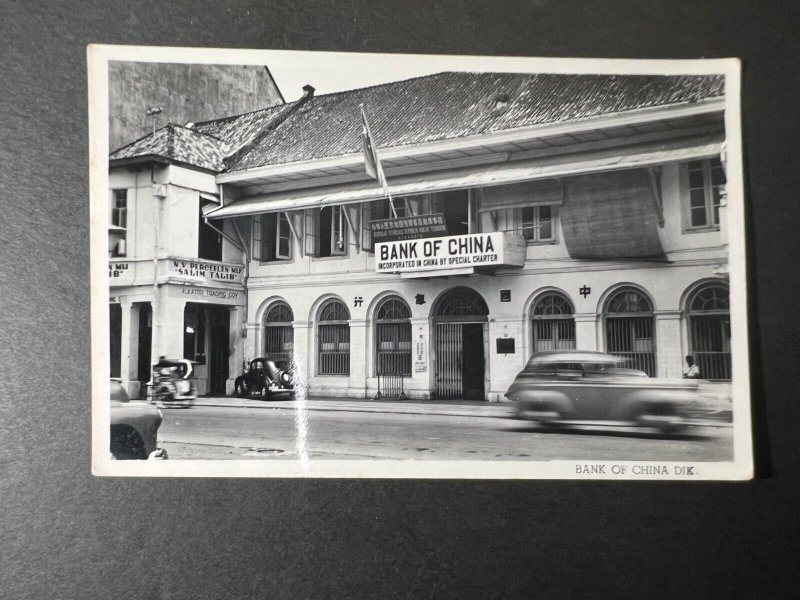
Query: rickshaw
x,y
171,385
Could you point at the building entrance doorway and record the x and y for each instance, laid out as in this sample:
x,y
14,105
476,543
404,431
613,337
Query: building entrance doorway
x,y
219,348
145,342
460,321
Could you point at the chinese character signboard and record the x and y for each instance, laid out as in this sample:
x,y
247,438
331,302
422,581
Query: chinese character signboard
x,y
408,228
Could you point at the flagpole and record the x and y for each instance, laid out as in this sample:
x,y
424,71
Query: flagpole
x,y
380,175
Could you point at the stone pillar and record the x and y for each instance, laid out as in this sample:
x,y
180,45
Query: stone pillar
x,y
669,355
237,346
303,358
167,326
503,368
586,331
358,359
252,347
129,349
421,383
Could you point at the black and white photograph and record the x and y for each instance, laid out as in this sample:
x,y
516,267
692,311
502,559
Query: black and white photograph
x,y
324,264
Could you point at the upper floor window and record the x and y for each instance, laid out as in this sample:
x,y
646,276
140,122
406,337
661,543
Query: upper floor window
x,y
537,223
117,243
272,237
328,231
209,241
119,209
704,178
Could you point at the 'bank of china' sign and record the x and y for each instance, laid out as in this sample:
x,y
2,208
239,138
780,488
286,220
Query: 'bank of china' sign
x,y
455,252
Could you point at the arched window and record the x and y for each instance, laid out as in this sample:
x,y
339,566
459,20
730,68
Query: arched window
x,y
279,335
393,337
629,328
552,323
461,302
710,330
334,339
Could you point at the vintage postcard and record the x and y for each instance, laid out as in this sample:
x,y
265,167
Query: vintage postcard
x,y
310,264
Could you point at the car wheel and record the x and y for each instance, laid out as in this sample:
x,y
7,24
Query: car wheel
x,y
127,444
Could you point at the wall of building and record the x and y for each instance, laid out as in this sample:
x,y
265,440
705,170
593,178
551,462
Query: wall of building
x,y
664,285
184,93
305,282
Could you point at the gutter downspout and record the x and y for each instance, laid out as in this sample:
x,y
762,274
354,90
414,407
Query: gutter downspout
x,y
245,277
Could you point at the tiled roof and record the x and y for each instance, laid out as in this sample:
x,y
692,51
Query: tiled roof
x,y
426,109
178,144
239,129
455,105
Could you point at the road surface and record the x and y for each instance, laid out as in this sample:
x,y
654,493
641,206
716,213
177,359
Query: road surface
x,y
214,432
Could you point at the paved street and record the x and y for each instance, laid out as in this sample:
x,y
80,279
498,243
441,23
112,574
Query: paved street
x,y
227,428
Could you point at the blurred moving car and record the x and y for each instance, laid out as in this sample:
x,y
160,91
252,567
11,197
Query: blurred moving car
x,y
263,378
574,387
171,386
134,426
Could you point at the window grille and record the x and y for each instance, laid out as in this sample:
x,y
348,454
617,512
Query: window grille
x,y
279,335
393,338
553,323
710,331
334,339
461,302
629,330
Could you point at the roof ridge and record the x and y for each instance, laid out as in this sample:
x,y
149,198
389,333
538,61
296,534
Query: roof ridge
x,y
385,84
205,133
240,115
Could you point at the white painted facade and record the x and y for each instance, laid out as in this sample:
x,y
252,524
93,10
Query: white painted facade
x,y
160,273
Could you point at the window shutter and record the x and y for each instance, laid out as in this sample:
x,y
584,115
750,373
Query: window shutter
x,y
311,227
257,254
366,234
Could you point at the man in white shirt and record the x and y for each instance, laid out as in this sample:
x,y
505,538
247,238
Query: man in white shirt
x,y
693,371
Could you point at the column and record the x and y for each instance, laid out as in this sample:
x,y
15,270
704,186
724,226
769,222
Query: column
x,y
129,349
586,331
669,356
237,348
167,326
503,368
303,358
421,360
358,359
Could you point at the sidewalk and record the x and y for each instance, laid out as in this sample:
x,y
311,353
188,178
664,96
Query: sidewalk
x,y
460,408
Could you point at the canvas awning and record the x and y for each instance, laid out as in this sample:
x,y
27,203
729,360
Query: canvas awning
x,y
611,215
477,176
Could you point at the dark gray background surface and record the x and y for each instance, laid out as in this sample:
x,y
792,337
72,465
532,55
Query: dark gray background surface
x,y
65,534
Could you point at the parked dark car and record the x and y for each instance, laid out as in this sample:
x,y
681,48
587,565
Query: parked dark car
x,y
591,388
134,426
264,379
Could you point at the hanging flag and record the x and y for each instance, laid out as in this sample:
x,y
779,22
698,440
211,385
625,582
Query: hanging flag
x,y
372,163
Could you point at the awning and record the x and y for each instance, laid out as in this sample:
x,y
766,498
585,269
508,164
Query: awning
x,y
478,176
611,215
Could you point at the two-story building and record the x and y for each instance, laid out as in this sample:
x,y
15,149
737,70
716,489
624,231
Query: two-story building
x,y
529,212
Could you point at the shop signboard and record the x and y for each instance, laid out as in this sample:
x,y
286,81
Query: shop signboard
x,y
476,250
408,228
207,295
203,272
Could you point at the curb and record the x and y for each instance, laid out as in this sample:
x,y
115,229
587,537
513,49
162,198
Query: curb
x,y
501,411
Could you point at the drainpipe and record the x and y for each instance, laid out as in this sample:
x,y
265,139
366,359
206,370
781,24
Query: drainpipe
x,y
244,278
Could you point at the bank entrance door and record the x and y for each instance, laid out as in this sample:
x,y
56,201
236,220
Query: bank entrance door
x,y
460,365
459,320
219,349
